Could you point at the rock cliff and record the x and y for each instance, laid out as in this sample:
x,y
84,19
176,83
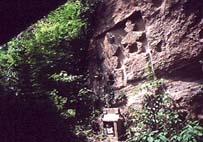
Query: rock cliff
x,y
134,39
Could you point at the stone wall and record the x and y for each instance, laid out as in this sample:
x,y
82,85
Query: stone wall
x,y
133,36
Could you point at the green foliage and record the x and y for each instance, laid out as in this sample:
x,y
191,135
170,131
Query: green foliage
x,y
191,132
59,101
42,47
48,60
159,120
47,56
150,75
64,77
64,23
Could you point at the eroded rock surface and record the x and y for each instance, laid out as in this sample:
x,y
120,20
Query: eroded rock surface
x,y
134,35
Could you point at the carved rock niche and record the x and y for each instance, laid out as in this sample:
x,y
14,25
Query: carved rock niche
x,y
132,48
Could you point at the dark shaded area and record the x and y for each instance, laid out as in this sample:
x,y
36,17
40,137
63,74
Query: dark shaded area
x,y
158,47
32,120
133,48
17,15
157,3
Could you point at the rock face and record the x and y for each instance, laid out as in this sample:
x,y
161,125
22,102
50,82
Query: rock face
x,y
136,38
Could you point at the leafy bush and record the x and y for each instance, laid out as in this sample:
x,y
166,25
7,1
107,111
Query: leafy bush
x,y
159,120
48,60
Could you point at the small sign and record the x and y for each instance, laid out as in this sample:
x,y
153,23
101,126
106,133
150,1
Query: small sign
x,y
109,130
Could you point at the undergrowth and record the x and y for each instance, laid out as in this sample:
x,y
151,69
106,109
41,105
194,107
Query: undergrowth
x,y
159,119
